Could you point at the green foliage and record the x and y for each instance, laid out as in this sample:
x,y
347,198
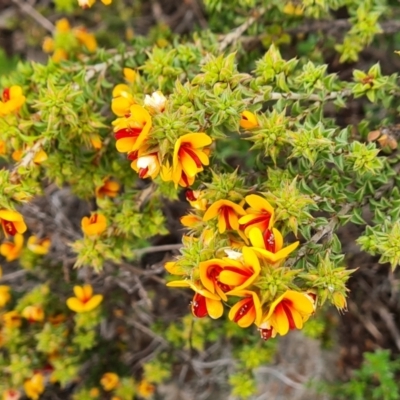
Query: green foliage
x,y
376,379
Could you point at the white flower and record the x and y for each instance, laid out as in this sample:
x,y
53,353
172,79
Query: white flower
x,y
156,102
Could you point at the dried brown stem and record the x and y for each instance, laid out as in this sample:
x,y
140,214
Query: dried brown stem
x,y
26,8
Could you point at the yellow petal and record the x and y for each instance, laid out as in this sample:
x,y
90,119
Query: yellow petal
x,y
75,304
278,239
87,292
197,140
215,308
280,321
256,238
301,302
93,302
259,203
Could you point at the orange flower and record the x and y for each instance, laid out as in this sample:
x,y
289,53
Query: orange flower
x,y
109,381
122,100
227,213
33,313
12,100
289,311
34,386
12,222
270,245
95,225
12,319
109,188
248,120
5,295
133,130
246,311
84,300
190,220
210,277
189,157
145,389
204,302
241,273
12,251
146,165
260,214
39,246
86,39
195,200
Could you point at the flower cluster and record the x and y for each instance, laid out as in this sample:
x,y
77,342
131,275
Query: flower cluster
x,y
184,158
67,42
249,269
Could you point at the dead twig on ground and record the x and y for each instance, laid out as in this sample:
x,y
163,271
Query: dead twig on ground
x,y
27,9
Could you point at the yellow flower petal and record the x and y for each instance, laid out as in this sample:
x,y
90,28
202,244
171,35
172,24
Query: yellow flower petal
x,y
93,302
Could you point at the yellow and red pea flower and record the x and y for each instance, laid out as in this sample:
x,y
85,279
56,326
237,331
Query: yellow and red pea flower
x,y
145,389
122,100
34,386
248,120
146,165
12,250
33,313
270,244
246,311
195,200
39,246
227,213
259,215
5,295
84,300
204,302
94,225
191,220
189,157
12,319
289,311
132,130
12,99
109,381
109,188
86,38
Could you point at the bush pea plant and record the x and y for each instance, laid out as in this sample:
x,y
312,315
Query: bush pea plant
x,y
246,129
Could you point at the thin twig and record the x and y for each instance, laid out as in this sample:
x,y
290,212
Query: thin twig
x,y
157,249
26,160
336,28
30,11
236,34
285,379
13,275
301,96
325,231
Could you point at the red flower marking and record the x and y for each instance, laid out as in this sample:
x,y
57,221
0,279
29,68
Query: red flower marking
x,y
187,148
244,309
199,307
269,241
6,94
9,227
190,195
